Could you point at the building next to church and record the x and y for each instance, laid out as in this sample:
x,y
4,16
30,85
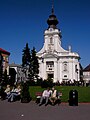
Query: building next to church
x,y
5,58
86,75
17,72
54,61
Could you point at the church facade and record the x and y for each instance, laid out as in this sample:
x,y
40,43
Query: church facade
x,y
55,62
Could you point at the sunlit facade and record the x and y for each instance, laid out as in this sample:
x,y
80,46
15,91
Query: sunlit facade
x,y
55,62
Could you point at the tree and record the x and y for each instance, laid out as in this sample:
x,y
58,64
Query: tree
x,y
26,58
34,64
30,62
5,78
12,73
25,95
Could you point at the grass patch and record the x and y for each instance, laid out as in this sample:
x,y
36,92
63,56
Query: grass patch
x,y
83,92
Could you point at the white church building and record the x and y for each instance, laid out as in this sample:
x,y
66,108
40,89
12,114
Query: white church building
x,y
54,61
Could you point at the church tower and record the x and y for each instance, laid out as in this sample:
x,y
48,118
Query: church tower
x,y
54,61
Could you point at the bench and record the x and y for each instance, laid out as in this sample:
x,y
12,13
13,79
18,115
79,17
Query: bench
x,y
38,97
39,94
58,101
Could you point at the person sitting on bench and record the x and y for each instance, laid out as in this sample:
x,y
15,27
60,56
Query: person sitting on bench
x,y
54,96
6,92
14,93
45,95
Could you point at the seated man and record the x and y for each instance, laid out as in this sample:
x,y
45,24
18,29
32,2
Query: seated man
x,y
54,96
14,93
45,95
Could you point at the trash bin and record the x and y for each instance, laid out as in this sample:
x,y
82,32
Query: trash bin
x,y
73,98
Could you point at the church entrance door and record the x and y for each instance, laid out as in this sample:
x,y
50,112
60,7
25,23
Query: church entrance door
x,y
51,75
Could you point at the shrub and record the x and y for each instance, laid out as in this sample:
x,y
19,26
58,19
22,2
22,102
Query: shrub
x,y
47,83
25,95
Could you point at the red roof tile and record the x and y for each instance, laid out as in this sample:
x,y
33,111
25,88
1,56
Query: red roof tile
x,y
4,51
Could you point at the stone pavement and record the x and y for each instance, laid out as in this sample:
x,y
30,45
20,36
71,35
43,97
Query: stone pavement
x,y
31,111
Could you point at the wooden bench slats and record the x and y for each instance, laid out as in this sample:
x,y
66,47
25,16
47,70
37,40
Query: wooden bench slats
x,y
38,94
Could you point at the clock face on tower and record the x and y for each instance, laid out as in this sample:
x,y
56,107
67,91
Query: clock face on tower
x,y
51,29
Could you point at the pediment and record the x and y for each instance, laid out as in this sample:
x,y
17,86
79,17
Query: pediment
x,y
50,55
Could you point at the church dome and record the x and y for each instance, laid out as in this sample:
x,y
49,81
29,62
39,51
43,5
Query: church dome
x,y
52,20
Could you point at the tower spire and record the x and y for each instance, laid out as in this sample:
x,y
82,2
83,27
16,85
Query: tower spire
x,y
52,20
52,7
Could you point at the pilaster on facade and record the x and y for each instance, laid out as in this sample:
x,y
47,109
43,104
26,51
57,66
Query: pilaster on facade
x,y
55,71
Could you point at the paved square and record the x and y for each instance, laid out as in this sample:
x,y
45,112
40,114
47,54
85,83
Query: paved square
x,y
31,111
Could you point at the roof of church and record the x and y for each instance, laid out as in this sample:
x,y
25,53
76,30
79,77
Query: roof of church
x,y
87,68
4,51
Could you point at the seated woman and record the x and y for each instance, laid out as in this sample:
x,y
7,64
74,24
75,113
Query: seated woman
x,y
6,92
14,93
54,96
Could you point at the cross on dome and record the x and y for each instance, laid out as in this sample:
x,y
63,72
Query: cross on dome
x,y
52,20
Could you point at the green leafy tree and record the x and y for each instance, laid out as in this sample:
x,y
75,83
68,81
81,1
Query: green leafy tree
x,y
34,64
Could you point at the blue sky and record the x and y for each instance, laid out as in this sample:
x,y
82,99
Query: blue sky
x,y
23,21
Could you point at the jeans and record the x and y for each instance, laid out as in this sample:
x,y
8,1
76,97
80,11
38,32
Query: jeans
x,y
12,96
46,100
